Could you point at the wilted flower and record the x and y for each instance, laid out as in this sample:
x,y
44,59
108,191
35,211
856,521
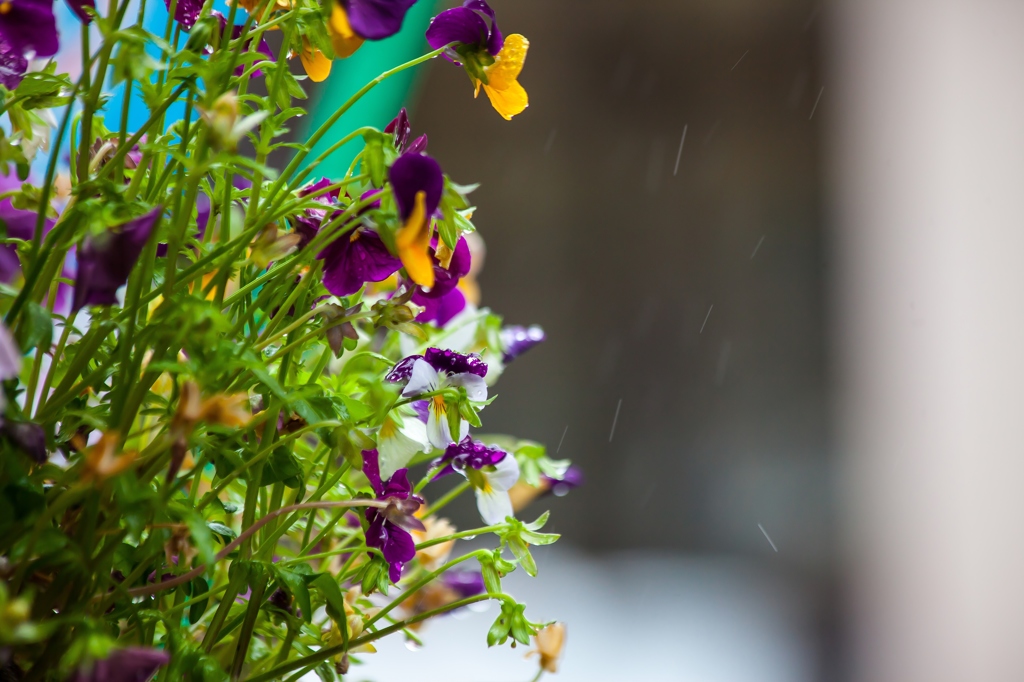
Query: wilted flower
x,y
436,370
490,60
417,183
389,528
102,460
226,129
400,129
271,245
133,664
29,27
354,21
433,557
219,410
550,641
106,260
491,471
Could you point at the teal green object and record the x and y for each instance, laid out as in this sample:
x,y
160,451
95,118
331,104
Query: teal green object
x,y
380,105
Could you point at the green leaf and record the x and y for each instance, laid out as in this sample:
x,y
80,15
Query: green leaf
x,y
36,329
335,599
373,156
197,609
294,584
224,532
281,466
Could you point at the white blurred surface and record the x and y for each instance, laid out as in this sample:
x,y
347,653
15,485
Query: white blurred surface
x,y
640,616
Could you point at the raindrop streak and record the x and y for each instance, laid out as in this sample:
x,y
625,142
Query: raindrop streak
x,y
739,60
815,107
615,420
551,141
679,155
754,252
706,319
562,440
768,538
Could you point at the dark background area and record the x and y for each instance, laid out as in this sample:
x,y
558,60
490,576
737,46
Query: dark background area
x,y
593,235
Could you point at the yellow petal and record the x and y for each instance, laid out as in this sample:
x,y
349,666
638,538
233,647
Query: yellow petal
x,y
315,62
343,39
413,241
508,102
508,63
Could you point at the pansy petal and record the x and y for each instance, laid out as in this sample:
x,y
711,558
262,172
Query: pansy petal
x,y
505,474
343,39
377,19
476,387
396,448
508,102
456,25
315,63
495,41
509,62
438,431
371,469
493,505
423,379
29,26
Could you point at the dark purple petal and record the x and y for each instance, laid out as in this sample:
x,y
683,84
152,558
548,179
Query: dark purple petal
x,y
29,26
517,340
403,370
455,363
20,224
447,279
457,25
134,664
106,260
376,19
307,223
400,129
186,12
468,453
495,41
397,486
412,173
354,259
572,478
77,6
13,65
439,311
418,146
466,583
371,469
27,437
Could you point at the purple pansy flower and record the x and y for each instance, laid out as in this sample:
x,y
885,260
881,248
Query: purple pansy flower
x,y
389,528
572,478
417,184
186,12
516,340
13,65
307,223
435,371
21,224
376,19
106,260
491,472
467,583
77,6
442,310
29,27
446,279
473,25
133,664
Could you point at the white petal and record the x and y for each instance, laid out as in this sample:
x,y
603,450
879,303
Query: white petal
x,y
438,433
505,474
494,506
476,387
423,379
396,448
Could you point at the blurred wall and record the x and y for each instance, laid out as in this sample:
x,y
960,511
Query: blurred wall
x,y
593,234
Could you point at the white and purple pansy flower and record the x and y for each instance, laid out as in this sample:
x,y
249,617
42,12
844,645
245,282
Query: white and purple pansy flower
x,y
491,471
401,436
433,372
